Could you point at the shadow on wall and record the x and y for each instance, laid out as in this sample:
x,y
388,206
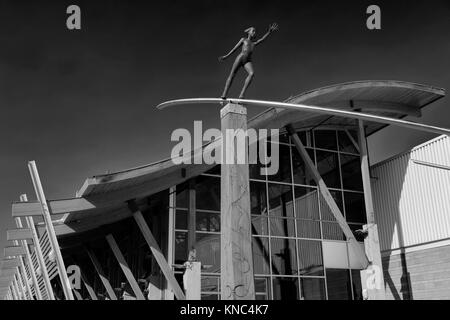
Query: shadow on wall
x,y
396,275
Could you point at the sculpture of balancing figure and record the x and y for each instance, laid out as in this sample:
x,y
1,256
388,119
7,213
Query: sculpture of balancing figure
x,y
244,59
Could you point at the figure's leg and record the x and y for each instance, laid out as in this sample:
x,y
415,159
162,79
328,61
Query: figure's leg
x,y
249,68
234,69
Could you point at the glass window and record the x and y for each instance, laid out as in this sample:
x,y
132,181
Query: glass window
x,y
351,172
181,253
207,193
255,168
262,288
325,210
210,284
258,197
207,221
345,144
182,195
325,139
283,256
261,255
332,231
328,167
338,284
355,208
282,227
308,229
306,203
356,280
285,288
313,288
259,225
310,258
284,170
209,297
181,219
208,251
280,200
300,172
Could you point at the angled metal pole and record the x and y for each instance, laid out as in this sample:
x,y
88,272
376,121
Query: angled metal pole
x,y
22,270
156,251
359,252
124,266
16,286
101,274
14,292
65,283
40,258
29,260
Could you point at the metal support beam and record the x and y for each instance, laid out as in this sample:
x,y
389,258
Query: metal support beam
x,y
40,259
371,242
171,237
23,271
65,283
156,251
124,266
88,286
29,260
237,278
101,274
20,295
323,189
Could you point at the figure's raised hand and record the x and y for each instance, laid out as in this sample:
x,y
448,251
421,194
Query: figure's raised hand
x,y
273,27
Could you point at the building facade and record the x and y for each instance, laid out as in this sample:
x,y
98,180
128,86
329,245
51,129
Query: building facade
x,y
131,232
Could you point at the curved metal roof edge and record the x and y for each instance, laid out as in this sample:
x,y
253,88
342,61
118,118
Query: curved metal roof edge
x,y
167,163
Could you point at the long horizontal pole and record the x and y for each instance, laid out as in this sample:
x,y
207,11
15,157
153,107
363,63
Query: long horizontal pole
x,y
315,109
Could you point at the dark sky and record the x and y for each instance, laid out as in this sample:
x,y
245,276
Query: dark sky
x,y
82,102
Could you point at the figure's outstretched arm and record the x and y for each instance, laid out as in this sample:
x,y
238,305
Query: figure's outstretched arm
x,y
232,50
272,28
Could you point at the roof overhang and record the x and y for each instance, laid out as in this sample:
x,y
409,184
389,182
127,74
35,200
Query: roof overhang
x,y
102,199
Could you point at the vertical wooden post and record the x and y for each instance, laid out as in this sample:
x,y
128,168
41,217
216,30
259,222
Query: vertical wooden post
x,y
156,251
37,291
101,274
65,283
237,278
124,266
375,291
40,258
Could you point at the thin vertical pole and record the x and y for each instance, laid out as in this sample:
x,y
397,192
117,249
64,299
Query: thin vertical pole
x,y
237,278
22,270
40,258
14,292
31,269
371,243
65,283
16,286
171,237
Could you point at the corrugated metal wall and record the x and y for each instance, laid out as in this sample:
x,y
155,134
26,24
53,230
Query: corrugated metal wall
x,y
412,195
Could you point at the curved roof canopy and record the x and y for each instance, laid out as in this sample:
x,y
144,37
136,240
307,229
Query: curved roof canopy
x,y
102,199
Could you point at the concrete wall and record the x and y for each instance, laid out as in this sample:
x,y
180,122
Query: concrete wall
x,y
421,274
